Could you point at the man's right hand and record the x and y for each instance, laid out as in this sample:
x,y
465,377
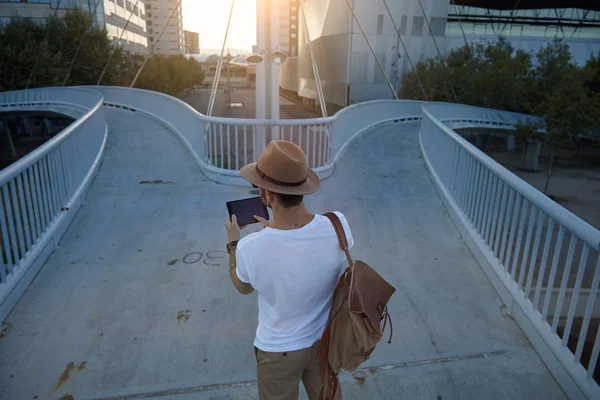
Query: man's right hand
x,y
266,224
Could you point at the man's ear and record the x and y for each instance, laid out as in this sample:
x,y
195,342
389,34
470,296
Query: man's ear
x,y
271,197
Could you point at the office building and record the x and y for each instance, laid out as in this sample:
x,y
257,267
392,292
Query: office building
x,y
349,71
192,42
288,27
112,14
161,13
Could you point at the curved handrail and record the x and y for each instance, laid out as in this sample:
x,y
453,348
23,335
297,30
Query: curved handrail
x,y
72,97
92,101
500,213
570,221
212,140
352,121
41,193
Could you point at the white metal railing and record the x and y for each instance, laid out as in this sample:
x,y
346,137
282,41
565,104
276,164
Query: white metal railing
x,y
546,258
40,193
221,146
231,143
178,116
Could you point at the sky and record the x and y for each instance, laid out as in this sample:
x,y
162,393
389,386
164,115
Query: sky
x,y
209,19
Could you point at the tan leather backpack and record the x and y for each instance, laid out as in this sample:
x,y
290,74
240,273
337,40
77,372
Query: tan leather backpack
x,y
354,328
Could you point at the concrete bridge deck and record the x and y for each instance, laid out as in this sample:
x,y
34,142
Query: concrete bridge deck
x,y
137,303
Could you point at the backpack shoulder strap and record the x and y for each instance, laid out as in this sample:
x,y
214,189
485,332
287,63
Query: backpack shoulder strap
x,y
341,234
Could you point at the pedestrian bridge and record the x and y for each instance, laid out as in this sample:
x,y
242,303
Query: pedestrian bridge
x,y
114,283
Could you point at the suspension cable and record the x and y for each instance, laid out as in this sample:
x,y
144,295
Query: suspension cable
x,y
83,37
314,64
372,51
116,45
460,22
43,47
437,48
154,45
406,51
213,92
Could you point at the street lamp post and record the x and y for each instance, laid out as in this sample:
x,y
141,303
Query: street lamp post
x,y
268,59
229,58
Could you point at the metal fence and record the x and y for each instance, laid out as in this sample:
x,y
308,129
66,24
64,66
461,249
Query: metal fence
x,y
546,257
232,143
221,146
37,192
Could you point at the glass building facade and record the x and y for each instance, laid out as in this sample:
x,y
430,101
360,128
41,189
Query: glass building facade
x,y
110,14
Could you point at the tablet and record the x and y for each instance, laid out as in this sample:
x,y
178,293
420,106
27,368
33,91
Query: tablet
x,y
246,209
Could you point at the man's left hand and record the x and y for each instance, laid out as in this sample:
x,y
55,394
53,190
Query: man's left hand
x,y
232,228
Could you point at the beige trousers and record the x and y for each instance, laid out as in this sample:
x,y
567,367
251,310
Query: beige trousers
x,y
279,374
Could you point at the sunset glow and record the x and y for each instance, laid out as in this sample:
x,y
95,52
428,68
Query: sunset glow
x,y
209,19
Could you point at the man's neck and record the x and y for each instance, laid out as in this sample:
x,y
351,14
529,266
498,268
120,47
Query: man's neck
x,y
291,218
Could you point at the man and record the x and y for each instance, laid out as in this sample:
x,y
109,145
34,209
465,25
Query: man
x,y
294,264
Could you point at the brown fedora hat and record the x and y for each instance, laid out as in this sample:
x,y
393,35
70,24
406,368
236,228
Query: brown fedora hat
x,y
282,169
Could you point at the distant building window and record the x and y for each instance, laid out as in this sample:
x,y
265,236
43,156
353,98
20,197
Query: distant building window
x,y
403,25
380,24
438,26
417,27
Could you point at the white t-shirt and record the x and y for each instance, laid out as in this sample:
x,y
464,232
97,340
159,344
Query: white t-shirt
x,y
294,273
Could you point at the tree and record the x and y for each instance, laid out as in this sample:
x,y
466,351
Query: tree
x,y
19,48
569,110
170,74
41,55
486,74
495,75
567,107
591,73
503,74
528,133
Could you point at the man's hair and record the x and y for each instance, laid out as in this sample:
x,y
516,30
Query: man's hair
x,y
289,200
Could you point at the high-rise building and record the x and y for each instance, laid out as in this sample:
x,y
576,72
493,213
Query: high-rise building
x,y
192,42
112,14
161,13
288,27
419,28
